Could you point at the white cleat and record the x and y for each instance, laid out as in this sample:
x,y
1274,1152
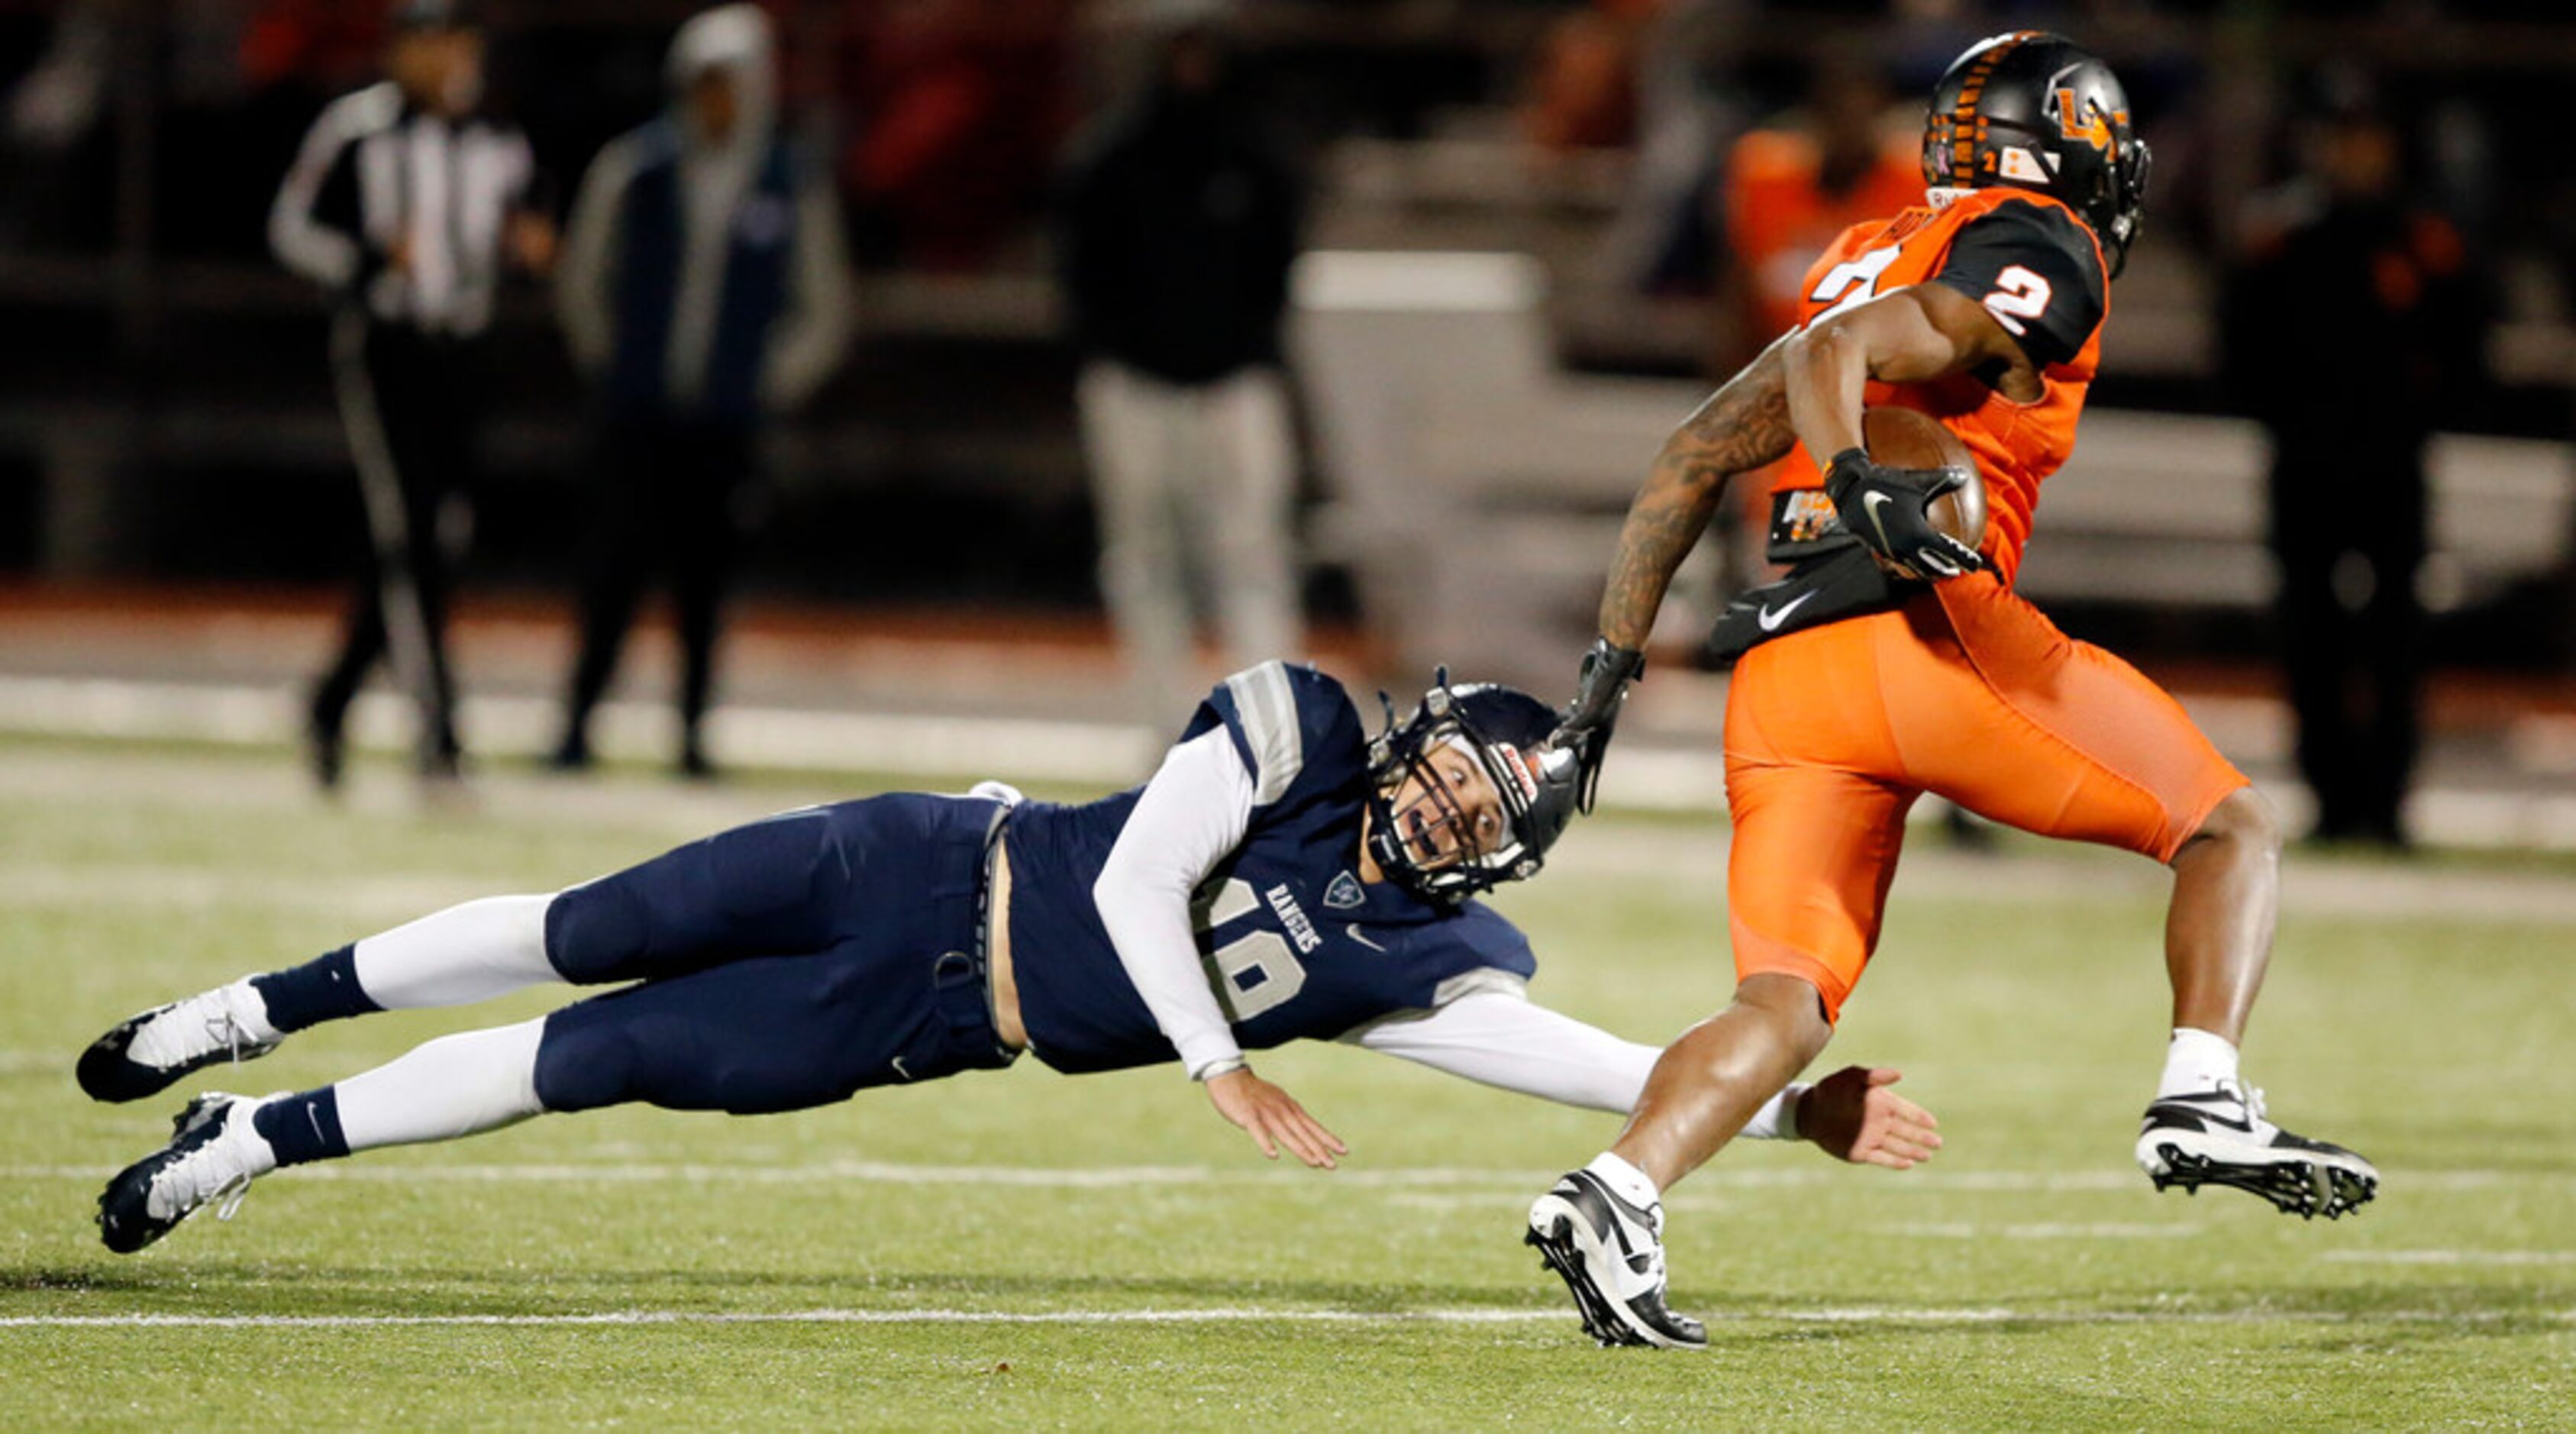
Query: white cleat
x,y
213,1155
1611,1256
2219,1136
144,1054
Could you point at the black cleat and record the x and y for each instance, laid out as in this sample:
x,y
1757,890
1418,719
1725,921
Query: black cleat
x,y
144,1054
213,1155
1611,1256
2220,1137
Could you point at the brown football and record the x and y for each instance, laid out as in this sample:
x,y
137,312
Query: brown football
x,y
1905,438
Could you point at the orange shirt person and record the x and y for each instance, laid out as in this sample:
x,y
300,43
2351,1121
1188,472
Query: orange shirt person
x,y
1790,190
1857,691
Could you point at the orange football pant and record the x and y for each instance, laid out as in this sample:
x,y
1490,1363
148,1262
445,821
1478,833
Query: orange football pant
x,y
1968,692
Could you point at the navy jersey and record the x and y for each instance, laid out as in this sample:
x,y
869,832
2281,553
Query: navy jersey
x,y
1295,945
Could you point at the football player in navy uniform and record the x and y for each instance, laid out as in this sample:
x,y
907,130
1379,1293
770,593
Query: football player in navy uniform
x,y
1282,876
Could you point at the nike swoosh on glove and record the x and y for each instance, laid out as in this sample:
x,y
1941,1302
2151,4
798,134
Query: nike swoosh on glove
x,y
1887,509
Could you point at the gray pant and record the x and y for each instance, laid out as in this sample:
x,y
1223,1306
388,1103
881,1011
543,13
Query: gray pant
x,y
1193,478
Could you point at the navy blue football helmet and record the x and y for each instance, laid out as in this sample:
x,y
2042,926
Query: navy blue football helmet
x,y
2037,111
1428,845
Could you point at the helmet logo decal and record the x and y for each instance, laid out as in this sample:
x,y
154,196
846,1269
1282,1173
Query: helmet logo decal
x,y
1995,120
2081,120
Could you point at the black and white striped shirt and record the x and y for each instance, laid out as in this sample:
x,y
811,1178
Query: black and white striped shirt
x,y
375,170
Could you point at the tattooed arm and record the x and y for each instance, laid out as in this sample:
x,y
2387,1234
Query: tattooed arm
x,y
1744,425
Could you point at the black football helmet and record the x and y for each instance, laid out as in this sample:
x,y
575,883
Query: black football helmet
x,y
1505,732
2037,111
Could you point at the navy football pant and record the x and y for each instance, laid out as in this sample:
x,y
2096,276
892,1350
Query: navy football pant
x,y
781,965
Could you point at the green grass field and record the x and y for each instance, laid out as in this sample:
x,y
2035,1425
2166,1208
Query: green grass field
x,y
1027,1249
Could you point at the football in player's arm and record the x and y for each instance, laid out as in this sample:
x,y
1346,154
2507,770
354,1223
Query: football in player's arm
x,y
1281,877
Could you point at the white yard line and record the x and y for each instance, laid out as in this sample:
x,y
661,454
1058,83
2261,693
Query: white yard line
x,y
1147,1177
1863,1314
37,885
2450,1257
1969,1230
232,714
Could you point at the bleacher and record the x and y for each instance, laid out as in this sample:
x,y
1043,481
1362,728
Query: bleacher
x,y
1478,486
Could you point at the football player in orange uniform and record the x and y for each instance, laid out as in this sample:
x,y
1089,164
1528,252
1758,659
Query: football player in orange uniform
x,y
1859,689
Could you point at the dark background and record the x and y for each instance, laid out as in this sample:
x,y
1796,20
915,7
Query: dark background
x,y
165,413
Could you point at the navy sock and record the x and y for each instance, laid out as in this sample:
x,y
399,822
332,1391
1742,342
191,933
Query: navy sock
x,y
302,1127
322,989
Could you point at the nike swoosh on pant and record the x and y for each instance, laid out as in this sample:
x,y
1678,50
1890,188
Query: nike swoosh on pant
x,y
1770,619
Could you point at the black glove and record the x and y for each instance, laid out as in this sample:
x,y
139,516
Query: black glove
x,y
1886,509
1585,728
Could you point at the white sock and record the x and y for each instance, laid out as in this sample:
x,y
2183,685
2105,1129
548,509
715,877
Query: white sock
x,y
1625,1180
2197,1060
458,956
455,1085
241,1135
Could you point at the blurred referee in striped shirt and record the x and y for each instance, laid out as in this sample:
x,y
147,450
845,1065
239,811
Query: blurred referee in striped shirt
x,y
406,206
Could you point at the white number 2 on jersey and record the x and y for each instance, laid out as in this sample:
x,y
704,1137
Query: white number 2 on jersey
x,y
1851,284
2019,294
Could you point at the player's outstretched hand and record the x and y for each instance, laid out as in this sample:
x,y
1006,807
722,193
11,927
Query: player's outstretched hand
x,y
1888,509
1599,690
1852,1115
1273,1118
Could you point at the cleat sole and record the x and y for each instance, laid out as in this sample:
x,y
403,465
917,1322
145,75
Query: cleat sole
x,y
1556,1234
1556,1251
2304,1188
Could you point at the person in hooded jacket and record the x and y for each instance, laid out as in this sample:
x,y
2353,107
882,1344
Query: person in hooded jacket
x,y
1176,226
704,286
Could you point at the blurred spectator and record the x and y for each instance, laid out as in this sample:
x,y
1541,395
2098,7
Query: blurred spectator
x,y
302,43
2351,325
1177,228
406,206
959,111
1846,156
705,283
1583,80
61,97
55,196
1662,74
